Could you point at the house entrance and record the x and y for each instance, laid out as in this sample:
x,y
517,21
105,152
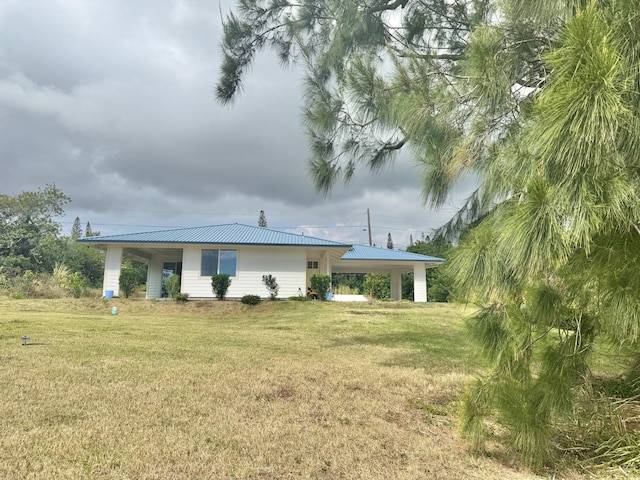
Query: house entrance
x,y
312,268
168,269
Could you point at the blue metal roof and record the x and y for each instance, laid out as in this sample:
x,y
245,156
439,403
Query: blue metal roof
x,y
229,234
365,252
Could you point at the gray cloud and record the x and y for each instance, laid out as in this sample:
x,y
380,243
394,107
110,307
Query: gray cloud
x,y
113,101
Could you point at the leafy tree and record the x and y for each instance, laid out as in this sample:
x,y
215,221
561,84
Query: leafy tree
x,y
25,220
269,281
389,242
220,283
89,262
262,219
537,100
76,230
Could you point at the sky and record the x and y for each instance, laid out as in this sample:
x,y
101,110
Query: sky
x,y
113,102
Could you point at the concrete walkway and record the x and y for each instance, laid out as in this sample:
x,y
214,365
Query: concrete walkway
x,y
349,298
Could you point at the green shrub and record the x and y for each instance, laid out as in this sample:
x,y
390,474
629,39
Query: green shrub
x,y
250,300
128,279
346,290
273,288
298,298
172,284
181,297
77,284
320,284
27,285
376,285
220,284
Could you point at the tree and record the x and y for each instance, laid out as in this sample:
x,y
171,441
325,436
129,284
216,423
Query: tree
x,y
25,220
89,231
76,230
262,219
389,242
539,101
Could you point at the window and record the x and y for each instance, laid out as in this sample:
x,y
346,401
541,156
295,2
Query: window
x,y
218,261
312,265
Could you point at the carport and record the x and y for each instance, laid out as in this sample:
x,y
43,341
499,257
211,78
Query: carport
x,y
365,259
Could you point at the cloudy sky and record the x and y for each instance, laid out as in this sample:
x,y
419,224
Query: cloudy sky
x,y
113,101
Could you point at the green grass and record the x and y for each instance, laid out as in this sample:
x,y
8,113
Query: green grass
x,y
225,390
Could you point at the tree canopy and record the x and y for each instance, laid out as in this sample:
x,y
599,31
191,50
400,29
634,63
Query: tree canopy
x,y
25,220
538,101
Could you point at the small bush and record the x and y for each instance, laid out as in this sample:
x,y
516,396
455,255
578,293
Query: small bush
x,y
220,284
273,288
298,298
181,297
320,284
250,300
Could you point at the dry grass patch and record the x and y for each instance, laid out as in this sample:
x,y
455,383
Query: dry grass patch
x,y
224,390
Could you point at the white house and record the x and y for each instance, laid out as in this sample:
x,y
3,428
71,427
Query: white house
x,y
247,253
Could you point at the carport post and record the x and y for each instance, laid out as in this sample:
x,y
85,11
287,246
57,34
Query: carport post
x,y
419,282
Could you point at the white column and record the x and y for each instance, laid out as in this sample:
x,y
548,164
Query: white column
x,y
419,283
154,278
396,284
112,265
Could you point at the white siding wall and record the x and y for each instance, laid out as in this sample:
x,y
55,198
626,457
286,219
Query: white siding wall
x,y
419,283
288,265
112,264
154,278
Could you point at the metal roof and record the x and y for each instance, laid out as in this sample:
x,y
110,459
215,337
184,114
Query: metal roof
x,y
365,252
229,234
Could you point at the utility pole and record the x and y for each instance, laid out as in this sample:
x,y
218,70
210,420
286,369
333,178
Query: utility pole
x,y
369,226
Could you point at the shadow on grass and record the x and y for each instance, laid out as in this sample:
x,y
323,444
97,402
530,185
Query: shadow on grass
x,y
439,352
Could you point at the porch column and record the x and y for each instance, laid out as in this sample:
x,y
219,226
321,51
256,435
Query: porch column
x,y
112,265
419,283
154,278
325,264
396,284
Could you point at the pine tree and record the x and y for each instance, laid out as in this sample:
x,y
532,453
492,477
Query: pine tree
x,y
90,233
389,242
76,230
262,219
538,100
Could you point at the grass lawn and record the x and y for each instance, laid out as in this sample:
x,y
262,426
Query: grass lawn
x,y
223,390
